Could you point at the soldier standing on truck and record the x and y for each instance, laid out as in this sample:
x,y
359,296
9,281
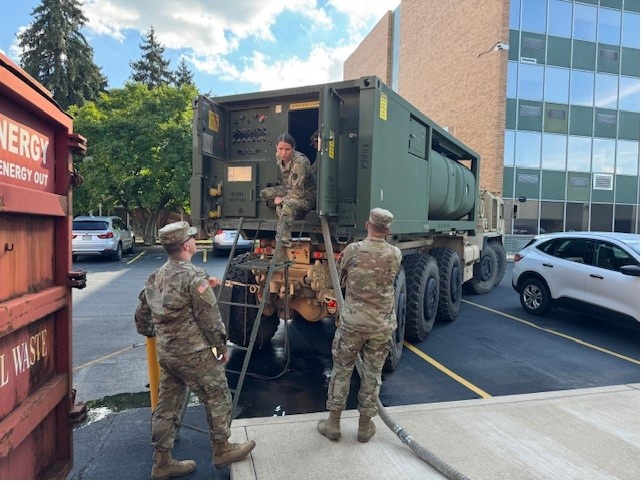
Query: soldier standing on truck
x,y
368,269
297,195
179,307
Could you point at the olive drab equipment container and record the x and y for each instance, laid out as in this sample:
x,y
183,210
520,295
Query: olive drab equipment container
x,y
36,177
375,150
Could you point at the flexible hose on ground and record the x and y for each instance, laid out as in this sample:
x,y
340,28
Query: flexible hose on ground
x,y
423,453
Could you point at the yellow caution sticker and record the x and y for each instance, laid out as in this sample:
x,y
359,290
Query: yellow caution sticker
x,y
382,112
214,121
304,105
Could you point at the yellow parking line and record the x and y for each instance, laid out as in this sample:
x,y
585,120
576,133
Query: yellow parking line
x,y
136,258
556,333
445,370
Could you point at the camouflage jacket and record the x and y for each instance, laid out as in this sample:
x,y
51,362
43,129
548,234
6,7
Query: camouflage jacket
x,y
298,177
180,308
368,269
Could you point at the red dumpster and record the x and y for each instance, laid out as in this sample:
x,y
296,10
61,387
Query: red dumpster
x,y
36,176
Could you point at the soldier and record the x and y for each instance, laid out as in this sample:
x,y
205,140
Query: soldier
x,y
178,306
368,269
297,196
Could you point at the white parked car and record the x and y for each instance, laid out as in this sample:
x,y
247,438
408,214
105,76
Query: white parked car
x,y
106,235
223,240
596,272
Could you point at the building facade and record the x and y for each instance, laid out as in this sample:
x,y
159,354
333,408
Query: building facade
x,y
547,91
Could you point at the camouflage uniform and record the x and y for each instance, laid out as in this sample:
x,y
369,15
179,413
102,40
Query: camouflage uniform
x,y
368,319
298,192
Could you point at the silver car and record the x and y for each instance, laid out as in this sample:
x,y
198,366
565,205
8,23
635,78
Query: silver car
x,y
223,240
105,235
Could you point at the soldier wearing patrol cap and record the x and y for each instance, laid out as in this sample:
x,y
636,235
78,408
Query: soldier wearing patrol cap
x,y
178,306
368,269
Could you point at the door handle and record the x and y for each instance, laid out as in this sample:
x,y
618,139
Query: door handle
x,y
546,264
596,276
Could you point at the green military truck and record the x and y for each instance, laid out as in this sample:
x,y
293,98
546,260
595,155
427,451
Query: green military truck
x,y
375,150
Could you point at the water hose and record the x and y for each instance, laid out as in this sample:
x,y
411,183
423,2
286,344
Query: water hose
x,y
423,453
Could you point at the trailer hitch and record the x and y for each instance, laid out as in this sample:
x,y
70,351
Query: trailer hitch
x,y
77,279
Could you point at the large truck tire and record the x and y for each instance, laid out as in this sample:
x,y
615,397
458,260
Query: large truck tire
x,y
501,261
398,336
451,283
422,277
485,272
241,319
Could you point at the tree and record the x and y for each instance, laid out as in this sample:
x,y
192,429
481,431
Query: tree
x,y
139,152
183,75
57,55
152,69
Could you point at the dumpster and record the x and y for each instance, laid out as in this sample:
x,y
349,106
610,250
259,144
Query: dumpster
x,y
36,178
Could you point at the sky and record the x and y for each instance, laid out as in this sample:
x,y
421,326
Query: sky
x,y
231,46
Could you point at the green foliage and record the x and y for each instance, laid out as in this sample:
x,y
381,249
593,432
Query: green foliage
x,y
57,55
139,144
152,69
183,75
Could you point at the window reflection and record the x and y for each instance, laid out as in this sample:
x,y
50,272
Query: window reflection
x,y
630,30
533,16
553,152
605,91
585,22
582,88
528,149
627,157
515,14
530,82
629,94
512,68
551,217
557,85
603,155
579,153
560,18
526,221
626,219
601,217
609,26
576,216
508,154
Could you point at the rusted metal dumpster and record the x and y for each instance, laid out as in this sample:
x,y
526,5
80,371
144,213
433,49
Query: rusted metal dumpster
x,y
36,177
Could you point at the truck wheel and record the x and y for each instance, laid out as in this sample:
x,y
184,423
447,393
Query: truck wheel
x,y
449,300
485,272
501,261
422,296
400,298
241,319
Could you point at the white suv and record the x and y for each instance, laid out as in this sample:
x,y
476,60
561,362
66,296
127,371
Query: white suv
x,y
597,272
106,235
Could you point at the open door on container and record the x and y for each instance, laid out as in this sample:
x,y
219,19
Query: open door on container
x,y
327,169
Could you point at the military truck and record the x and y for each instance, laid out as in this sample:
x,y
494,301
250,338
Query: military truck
x,y
375,150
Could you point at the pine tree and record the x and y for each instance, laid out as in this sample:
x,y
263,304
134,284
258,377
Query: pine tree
x,y
183,75
152,69
57,55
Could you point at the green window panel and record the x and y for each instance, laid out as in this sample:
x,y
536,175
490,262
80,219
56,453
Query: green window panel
x,y
626,189
508,182
612,4
510,114
584,55
527,183
631,5
628,125
552,185
630,62
530,115
608,58
559,51
513,52
556,118
578,186
581,120
602,187
591,2
605,123
533,46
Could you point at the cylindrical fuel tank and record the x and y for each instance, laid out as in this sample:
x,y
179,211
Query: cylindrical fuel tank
x,y
452,189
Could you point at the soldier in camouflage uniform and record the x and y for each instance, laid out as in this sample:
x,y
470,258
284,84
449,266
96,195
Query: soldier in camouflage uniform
x,y
368,269
178,306
297,195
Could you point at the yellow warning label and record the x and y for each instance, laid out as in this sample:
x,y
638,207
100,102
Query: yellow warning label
x,y
214,121
382,112
304,105
330,149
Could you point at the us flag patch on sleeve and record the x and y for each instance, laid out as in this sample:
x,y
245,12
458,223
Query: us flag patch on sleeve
x,y
204,285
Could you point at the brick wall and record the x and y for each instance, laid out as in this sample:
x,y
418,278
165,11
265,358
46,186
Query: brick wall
x,y
373,56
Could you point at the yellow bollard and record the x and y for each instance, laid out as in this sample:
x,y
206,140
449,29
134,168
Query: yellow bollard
x,y
153,368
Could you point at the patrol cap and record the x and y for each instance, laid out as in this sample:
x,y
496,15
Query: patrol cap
x,y
381,218
176,233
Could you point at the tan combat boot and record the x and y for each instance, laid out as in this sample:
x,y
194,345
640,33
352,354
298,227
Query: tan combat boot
x,y
331,427
167,467
227,453
366,428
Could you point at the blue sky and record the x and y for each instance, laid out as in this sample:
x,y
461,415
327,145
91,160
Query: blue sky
x,y
232,46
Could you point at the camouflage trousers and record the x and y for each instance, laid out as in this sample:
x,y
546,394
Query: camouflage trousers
x,y
205,377
346,346
288,210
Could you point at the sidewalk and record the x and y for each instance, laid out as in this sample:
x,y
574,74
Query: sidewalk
x,y
578,434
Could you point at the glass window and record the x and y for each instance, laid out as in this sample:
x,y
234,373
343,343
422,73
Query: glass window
x,y
551,217
603,154
553,152
609,26
625,218
533,16
606,91
527,218
582,88
557,85
579,153
629,94
560,18
601,217
576,216
515,14
584,22
528,149
512,68
630,30
627,157
530,82
508,152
